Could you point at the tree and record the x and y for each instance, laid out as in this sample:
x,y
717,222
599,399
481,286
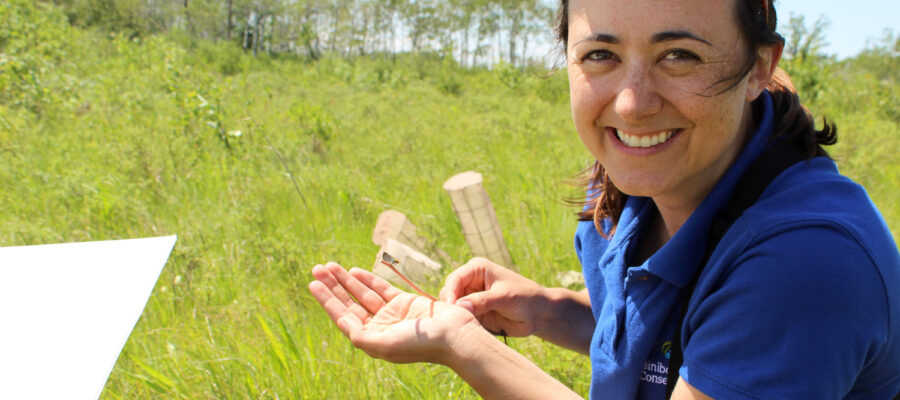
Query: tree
x,y
804,42
470,31
805,61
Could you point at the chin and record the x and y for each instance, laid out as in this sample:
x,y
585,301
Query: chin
x,y
638,183
642,189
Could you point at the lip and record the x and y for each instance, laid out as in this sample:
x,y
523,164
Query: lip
x,y
640,151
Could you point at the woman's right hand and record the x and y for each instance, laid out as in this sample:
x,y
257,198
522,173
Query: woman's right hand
x,y
502,300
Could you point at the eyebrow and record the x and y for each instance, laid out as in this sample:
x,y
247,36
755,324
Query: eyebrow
x,y
659,37
666,36
599,37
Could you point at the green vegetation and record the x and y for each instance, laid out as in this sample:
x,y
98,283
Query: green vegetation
x,y
108,136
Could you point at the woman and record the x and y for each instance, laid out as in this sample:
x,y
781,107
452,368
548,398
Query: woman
x,y
675,100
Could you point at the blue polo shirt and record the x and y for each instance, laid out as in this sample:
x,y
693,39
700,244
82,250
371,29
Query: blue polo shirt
x,y
800,300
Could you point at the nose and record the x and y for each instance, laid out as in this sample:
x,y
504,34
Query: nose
x,y
637,97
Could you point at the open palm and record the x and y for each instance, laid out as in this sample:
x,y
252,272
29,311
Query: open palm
x,y
384,321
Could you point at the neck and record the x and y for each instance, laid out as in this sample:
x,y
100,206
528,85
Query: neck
x,y
672,218
676,208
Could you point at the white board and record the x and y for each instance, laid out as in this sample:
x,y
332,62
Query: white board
x,y
66,311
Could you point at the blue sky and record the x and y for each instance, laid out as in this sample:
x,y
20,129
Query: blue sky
x,y
852,22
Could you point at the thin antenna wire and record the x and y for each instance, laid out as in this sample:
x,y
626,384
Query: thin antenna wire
x,y
278,155
389,261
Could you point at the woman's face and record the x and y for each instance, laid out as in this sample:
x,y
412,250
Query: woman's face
x,y
645,102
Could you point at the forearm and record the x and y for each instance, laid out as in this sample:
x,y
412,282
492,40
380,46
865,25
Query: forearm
x,y
567,320
496,371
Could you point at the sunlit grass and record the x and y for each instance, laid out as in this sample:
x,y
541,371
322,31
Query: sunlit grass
x,y
133,151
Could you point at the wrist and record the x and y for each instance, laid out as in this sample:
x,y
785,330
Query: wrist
x,y
496,371
548,303
567,319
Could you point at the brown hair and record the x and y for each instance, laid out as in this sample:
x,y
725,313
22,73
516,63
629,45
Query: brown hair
x,y
792,119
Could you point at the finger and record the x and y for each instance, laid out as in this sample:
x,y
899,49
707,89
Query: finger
x,y
492,323
376,283
325,277
335,308
350,325
464,278
368,298
480,303
500,323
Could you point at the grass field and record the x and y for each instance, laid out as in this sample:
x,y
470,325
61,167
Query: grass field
x,y
108,137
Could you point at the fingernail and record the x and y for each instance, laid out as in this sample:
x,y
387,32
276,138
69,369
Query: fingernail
x,y
466,304
342,324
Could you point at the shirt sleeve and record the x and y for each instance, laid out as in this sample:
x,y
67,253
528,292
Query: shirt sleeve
x,y
801,314
579,233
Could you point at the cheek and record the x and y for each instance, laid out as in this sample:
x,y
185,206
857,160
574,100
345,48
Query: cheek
x,y
587,99
719,112
576,89
720,122
730,113
581,102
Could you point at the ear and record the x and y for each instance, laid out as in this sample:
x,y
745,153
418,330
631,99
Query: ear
x,y
763,70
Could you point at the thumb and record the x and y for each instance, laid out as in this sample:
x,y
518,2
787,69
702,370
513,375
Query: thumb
x,y
479,303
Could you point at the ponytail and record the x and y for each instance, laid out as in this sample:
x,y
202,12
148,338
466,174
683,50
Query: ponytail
x,y
795,121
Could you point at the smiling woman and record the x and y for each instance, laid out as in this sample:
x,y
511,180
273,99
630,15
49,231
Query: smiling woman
x,y
714,267
645,70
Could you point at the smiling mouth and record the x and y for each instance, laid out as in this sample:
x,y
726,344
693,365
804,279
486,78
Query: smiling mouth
x,y
636,141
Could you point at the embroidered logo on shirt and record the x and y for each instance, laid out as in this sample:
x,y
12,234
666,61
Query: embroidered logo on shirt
x,y
656,369
655,372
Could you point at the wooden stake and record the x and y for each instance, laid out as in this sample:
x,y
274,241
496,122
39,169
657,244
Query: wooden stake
x,y
405,262
477,217
395,225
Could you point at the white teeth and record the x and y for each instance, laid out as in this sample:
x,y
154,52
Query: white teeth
x,y
633,141
644,141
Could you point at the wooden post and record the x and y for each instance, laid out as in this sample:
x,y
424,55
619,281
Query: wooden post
x,y
477,217
414,265
395,225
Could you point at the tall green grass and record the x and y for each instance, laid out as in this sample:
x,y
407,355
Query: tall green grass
x,y
108,137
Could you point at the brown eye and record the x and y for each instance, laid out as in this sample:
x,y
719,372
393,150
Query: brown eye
x,y
599,56
679,55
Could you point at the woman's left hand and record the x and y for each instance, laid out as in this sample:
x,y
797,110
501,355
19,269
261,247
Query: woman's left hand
x,y
387,322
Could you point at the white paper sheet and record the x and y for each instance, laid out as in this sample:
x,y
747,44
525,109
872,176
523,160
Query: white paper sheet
x,y
66,311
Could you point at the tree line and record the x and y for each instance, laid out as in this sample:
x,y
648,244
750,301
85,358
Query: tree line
x,y
471,31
